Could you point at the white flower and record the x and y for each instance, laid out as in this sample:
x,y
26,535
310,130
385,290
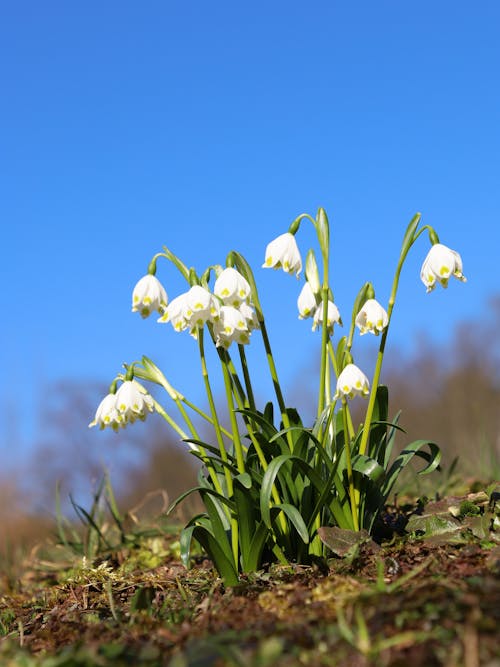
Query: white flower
x,y
306,303
283,253
231,326
232,287
441,263
351,382
333,316
132,403
107,414
202,307
148,295
176,313
371,318
250,316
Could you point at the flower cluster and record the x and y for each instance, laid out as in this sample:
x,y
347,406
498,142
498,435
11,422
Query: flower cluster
x,y
228,310
118,409
259,463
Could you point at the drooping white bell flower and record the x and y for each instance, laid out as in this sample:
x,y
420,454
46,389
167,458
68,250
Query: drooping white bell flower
x,y
351,382
306,302
176,313
132,403
231,327
333,317
371,318
248,312
202,307
232,287
441,263
283,253
107,414
149,295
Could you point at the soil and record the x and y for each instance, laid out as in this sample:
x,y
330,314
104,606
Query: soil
x,y
427,594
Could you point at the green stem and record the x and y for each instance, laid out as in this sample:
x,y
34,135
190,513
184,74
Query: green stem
x,y
324,345
246,376
215,418
380,356
222,448
276,384
203,414
159,409
238,449
352,494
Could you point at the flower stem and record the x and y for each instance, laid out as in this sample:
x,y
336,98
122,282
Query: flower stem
x,y
352,494
216,423
324,346
246,376
238,449
380,356
222,448
276,384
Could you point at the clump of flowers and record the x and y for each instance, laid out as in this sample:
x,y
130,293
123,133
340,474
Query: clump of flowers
x,y
269,483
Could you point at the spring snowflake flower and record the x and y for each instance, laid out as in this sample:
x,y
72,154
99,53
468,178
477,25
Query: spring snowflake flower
x,y
250,316
231,327
371,318
232,288
333,317
148,295
306,303
202,307
107,414
441,263
351,382
176,313
283,253
132,403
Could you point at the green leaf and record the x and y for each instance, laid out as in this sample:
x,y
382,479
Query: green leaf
x,y
296,518
408,238
200,489
244,479
368,467
224,565
433,458
323,231
254,553
245,511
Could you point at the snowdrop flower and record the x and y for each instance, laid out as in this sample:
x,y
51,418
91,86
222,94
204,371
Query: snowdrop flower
x,y
176,313
306,303
132,403
371,318
232,287
231,326
351,382
148,295
107,414
283,253
201,307
441,263
333,317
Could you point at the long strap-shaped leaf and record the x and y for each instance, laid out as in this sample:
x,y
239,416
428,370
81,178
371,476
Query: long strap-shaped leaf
x,y
433,458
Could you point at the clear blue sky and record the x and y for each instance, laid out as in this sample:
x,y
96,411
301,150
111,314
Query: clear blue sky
x,y
210,126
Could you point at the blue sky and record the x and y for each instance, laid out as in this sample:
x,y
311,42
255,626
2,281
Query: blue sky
x,y
211,126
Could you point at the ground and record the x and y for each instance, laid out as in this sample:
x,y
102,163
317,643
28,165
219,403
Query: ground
x,y
426,595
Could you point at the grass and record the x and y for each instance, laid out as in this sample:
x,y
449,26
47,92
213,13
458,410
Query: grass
x,y
428,596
